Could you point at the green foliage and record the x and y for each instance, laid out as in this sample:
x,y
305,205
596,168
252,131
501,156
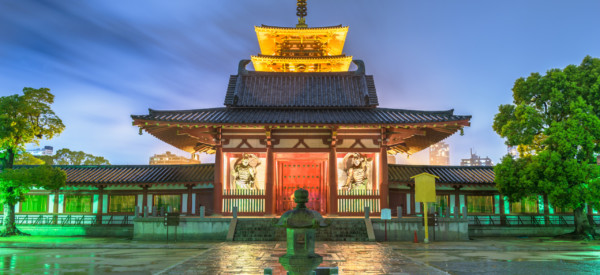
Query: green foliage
x,y
555,122
67,157
28,159
26,119
15,183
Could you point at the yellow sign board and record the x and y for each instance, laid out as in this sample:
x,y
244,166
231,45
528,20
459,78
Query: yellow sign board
x,y
424,187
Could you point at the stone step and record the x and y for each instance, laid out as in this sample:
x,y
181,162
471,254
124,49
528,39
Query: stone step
x,y
265,230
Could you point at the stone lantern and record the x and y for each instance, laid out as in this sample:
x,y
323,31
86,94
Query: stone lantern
x,y
301,224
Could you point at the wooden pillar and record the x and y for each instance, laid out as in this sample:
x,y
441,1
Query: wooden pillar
x,y
218,184
332,200
457,209
189,199
413,200
270,183
383,185
100,204
144,198
502,210
55,208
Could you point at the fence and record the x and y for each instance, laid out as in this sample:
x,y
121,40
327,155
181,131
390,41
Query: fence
x,y
67,219
527,220
353,202
248,201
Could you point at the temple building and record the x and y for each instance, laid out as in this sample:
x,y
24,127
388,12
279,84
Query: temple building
x,y
301,119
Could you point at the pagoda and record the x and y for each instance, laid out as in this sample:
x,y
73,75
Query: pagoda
x,y
301,119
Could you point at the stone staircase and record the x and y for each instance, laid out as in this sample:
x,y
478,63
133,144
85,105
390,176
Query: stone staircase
x,y
264,229
256,229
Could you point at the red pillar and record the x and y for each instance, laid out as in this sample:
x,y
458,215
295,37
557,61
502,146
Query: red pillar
x,y
218,184
383,185
333,209
189,200
270,183
144,199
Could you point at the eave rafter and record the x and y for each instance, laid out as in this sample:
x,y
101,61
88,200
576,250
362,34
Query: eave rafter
x,y
201,137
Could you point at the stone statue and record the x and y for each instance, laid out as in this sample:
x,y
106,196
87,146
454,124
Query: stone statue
x,y
244,172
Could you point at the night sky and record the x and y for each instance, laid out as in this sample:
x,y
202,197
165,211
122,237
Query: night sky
x,y
106,60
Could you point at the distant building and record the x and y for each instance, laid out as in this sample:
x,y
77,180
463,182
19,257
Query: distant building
x,y
439,154
476,160
170,158
512,150
42,151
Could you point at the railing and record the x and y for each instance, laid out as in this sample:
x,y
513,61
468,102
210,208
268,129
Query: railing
x,y
68,219
248,201
353,202
527,220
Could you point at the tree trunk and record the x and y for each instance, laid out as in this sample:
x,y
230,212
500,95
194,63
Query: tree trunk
x,y
8,221
582,224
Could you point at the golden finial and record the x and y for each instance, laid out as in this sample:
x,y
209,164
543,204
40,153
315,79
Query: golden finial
x,y
301,13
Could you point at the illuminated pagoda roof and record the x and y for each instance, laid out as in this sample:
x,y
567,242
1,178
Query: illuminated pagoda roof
x,y
301,49
316,97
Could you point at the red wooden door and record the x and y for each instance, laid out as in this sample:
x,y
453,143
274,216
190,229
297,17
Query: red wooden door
x,y
296,174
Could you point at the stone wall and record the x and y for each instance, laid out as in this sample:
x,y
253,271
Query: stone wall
x,y
403,229
190,228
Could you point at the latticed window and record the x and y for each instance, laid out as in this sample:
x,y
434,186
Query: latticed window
x,y
35,203
121,203
168,200
480,204
78,203
563,210
442,201
526,205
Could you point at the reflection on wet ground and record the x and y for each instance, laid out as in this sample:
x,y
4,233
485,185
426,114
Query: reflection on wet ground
x,y
90,261
510,262
350,258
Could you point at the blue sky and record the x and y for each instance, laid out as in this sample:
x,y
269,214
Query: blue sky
x,y
106,60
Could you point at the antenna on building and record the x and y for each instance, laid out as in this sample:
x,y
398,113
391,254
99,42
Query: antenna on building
x,y
301,13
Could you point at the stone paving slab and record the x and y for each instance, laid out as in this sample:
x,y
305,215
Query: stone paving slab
x,y
349,257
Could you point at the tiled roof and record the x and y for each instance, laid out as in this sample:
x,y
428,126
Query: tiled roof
x,y
301,116
447,174
133,174
204,173
296,90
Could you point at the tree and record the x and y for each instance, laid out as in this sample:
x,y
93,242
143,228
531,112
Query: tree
x,y
67,157
28,159
555,122
15,183
62,157
24,119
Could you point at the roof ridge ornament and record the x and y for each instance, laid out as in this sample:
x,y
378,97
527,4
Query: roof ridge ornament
x,y
301,13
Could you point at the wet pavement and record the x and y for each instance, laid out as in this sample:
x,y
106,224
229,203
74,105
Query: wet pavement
x,y
47,255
